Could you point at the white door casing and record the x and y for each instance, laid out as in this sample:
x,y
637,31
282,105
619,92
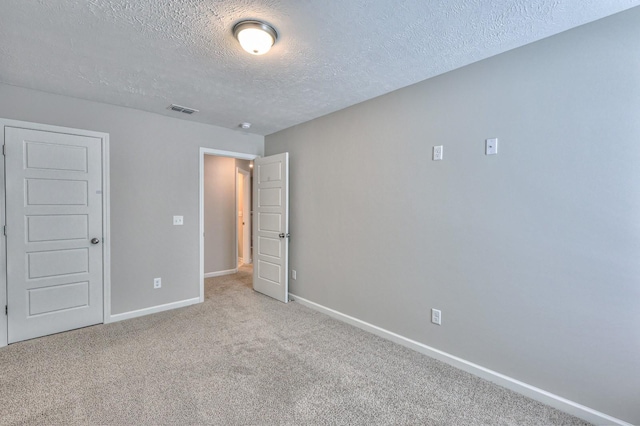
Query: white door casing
x,y
239,217
271,226
243,180
248,253
54,208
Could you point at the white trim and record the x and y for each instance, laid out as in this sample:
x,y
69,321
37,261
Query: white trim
x,y
563,404
221,273
106,215
246,237
203,152
106,227
235,221
4,320
232,154
154,309
246,248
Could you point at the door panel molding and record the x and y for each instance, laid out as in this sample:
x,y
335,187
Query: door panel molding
x,y
65,164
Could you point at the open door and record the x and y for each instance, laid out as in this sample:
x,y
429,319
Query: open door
x,y
271,226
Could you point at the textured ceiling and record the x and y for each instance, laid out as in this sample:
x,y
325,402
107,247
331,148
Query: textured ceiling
x,y
331,54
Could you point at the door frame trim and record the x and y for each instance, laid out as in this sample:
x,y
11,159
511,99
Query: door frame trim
x,y
219,153
245,195
106,218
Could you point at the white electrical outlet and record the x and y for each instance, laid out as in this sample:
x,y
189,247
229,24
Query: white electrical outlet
x,y
178,220
437,153
491,146
436,316
293,274
157,282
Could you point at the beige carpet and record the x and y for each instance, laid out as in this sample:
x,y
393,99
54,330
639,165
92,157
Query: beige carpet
x,y
241,358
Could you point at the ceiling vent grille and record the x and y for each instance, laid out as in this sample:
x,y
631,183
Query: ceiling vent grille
x,y
179,108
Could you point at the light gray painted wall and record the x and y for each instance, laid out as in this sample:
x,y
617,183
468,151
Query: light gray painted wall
x,y
532,255
219,213
154,175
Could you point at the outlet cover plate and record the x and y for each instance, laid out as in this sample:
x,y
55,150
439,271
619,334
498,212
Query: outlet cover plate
x,y
436,316
437,153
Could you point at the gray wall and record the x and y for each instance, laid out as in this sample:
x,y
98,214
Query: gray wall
x,y
532,255
219,214
154,175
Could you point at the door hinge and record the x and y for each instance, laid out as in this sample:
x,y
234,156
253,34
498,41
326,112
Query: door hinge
x,y
6,309
4,230
4,149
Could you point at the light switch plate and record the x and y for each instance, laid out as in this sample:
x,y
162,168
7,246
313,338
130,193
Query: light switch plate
x,y
178,220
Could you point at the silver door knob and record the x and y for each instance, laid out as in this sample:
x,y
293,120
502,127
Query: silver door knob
x,y
95,241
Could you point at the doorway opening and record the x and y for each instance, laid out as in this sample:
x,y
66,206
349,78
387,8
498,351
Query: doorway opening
x,y
224,207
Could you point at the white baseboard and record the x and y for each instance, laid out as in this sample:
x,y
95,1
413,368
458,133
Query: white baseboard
x,y
563,404
152,310
220,273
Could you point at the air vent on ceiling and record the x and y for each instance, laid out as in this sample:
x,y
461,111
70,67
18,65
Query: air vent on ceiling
x,y
186,110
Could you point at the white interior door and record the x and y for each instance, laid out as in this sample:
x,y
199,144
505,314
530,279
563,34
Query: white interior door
x,y
271,226
54,232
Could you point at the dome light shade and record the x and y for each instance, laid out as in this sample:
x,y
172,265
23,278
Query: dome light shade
x,y
255,37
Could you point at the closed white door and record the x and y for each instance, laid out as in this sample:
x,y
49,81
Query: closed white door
x,y
54,232
271,226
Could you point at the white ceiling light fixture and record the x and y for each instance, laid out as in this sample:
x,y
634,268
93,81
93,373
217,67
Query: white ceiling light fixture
x,y
256,37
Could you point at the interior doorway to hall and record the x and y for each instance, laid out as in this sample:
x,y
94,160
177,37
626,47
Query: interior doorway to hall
x,y
269,250
225,212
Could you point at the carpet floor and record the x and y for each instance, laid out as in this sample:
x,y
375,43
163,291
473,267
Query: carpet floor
x,y
241,358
